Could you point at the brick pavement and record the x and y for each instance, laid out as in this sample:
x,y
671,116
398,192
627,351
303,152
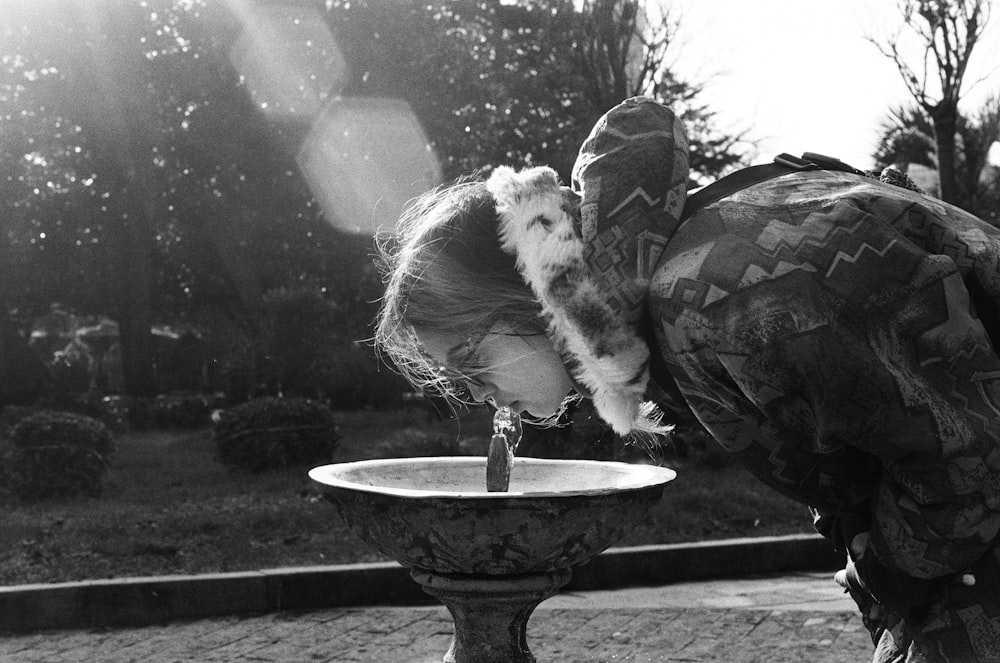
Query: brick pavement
x,y
422,634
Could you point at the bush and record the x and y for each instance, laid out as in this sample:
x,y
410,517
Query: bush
x,y
89,404
411,442
163,412
271,433
580,435
10,415
134,412
181,411
57,454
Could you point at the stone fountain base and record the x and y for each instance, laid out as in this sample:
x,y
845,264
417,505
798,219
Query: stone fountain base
x,y
491,556
491,612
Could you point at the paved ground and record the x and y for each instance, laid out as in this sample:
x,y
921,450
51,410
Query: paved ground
x,y
793,618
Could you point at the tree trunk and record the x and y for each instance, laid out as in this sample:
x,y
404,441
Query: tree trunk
x,y
135,311
945,118
123,124
241,269
23,376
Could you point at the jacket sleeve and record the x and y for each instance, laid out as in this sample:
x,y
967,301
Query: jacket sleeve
x,y
936,508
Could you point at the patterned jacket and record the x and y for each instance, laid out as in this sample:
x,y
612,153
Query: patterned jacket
x,y
825,328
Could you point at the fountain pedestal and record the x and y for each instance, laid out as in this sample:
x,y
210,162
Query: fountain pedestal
x,y
491,612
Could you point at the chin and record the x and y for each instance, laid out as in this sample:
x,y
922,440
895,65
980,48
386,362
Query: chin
x,y
539,411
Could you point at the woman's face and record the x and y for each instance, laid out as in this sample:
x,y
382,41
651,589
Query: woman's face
x,y
524,373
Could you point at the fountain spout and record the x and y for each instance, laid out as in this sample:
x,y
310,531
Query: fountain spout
x,y
503,445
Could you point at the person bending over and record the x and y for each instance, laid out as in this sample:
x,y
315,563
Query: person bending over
x,y
826,328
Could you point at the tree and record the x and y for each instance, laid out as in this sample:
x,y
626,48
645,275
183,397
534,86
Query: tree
x,y
92,91
22,375
624,53
908,138
141,181
121,122
977,179
54,228
519,83
948,31
93,134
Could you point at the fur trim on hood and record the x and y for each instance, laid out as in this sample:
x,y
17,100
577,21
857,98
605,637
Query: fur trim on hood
x,y
592,290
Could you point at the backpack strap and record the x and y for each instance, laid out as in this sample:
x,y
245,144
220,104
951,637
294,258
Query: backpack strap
x,y
783,164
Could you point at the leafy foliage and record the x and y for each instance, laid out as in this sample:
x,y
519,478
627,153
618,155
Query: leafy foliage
x,y
89,404
946,33
143,183
299,331
192,411
57,454
419,442
175,511
580,435
270,433
521,83
357,379
305,344
907,137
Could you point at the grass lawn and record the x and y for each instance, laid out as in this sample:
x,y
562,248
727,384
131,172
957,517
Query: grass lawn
x,y
172,509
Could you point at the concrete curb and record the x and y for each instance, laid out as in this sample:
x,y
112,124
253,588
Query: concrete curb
x,y
150,600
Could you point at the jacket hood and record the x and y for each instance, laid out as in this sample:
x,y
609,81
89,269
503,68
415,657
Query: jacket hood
x,y
590,271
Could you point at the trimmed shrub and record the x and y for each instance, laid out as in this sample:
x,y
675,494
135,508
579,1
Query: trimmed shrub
x,y
134,411
181,412
414,442
89,404
163,412
271,433
58,454
11,414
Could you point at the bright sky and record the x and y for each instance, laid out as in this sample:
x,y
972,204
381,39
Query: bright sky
x,y
800,75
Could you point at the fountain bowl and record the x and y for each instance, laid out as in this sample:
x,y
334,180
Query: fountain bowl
x,y
434,514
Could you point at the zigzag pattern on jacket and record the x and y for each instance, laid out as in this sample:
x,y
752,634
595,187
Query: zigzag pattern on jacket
x,y
834,349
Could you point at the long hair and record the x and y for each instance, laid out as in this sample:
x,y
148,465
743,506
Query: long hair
x,y
445,271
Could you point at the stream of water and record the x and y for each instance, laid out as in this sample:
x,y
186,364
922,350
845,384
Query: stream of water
x,y
503,446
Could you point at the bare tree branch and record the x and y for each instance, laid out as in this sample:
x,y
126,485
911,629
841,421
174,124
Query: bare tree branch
x,y
949,31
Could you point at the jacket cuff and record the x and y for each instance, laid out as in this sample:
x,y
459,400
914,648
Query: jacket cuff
x,y
839,528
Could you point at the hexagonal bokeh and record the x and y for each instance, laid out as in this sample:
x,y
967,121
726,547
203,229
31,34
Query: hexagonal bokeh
x,y
364,159
289,60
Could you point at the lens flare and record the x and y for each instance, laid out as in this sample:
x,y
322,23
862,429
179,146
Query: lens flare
x,y
364,159
288,59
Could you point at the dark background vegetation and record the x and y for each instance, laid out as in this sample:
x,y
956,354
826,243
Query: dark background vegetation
x,y
170,507
168,198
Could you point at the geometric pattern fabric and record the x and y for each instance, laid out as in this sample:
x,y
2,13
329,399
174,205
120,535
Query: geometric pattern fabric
x,y
828,330
821,326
